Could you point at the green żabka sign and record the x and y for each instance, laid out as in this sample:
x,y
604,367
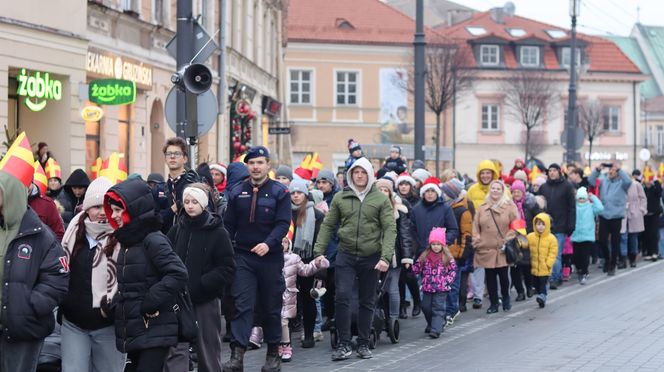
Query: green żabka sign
x,y
112,92
37,89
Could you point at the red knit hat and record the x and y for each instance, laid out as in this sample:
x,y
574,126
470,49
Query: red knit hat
x,y
431,183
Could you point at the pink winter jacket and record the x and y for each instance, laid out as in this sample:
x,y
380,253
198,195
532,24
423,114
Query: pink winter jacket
x,y
293,266
435,277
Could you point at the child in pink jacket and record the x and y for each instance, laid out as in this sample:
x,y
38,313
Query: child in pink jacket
x,y
438,270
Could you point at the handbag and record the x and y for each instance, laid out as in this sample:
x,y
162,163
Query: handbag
x,y
187,324
511,249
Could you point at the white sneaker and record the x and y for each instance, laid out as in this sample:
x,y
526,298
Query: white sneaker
x,y
318,336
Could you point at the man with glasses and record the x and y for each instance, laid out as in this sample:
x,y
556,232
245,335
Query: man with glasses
x,y
175,154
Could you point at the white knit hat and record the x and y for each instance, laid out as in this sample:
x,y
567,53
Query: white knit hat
x,y
94,195
421,174
405,177
198,194
218,167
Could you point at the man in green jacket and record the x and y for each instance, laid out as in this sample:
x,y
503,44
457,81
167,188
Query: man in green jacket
x,y
367,232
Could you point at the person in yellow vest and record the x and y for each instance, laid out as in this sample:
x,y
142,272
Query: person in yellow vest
x,y
486,172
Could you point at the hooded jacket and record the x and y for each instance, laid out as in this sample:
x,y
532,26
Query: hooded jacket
x,y
150,274
237,172
48,213
202,243
543,248
487,240
34,270
478,191
654,197
561,204
612,192
365,219
69,202
586,214
294,267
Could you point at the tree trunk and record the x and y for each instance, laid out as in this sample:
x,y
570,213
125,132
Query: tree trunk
x,y
590,153
525,158
438,145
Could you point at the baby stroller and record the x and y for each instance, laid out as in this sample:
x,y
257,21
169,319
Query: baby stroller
x,y
378,323
383,306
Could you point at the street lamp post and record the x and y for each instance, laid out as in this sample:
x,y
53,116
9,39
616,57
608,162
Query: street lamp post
x,y
570,148
420,44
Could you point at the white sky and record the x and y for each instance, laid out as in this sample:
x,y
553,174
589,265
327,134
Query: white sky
x,y
599,17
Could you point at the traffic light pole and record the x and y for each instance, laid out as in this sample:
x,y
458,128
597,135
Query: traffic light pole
x,y
420,44
186,115
570,148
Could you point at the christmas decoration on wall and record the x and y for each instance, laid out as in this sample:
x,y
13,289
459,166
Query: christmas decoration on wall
x,y
241,120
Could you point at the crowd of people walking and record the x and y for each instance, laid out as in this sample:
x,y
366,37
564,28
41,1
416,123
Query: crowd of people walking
x,y
139,275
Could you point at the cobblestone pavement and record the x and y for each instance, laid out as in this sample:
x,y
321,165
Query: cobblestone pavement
x,y
610,324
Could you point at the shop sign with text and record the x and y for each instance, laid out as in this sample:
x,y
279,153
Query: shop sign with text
x,y
38,88
112,92
107,65
92,113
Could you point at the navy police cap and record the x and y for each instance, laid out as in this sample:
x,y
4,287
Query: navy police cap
x,y
256,152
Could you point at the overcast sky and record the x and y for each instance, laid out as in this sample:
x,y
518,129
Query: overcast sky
x,y
602,17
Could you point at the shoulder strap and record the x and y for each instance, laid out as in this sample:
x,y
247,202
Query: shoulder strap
x,y
496,223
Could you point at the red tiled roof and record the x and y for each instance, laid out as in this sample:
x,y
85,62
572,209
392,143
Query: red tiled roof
x,y
603,55
373,22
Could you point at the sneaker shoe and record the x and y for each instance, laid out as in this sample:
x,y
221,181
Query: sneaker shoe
x,y
492,309
448,321
286,352
427,329
342,352
318,336
530,292
463,308
363,352
584,279
477,303
632,264
541,301
308,343
453,317
434,334
417,310
520,297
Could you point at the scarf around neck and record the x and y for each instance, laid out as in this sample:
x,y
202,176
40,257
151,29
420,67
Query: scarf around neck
x,y
519,207
104,283
304,235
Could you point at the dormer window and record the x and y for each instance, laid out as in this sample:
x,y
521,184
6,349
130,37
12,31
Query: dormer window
x,y
529,56
344,24
489,55
516,32
566,58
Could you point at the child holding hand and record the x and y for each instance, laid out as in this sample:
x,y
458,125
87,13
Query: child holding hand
x,y
438,270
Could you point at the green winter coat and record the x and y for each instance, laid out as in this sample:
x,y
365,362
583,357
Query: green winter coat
x,y
366,227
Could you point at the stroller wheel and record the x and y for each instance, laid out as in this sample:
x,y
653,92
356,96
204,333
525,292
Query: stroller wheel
x,y
373,339
393,330
334,338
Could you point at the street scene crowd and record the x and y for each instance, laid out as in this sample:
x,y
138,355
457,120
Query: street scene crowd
x,y
116,273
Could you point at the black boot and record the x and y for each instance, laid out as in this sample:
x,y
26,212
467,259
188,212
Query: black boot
x,y
272,359
236,362
632,260
507,306
520,297
462,304
403,311
416,310
621,263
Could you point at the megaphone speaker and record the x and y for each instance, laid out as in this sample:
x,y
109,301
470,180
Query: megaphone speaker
x,y
197,78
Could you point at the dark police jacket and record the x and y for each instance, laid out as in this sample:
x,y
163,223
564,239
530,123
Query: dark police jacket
x,y
272,216
35,281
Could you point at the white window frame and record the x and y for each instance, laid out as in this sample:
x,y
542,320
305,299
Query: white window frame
x,y
358,86
492,109
522,56
659,140
299,93
612,112
487,50
565,57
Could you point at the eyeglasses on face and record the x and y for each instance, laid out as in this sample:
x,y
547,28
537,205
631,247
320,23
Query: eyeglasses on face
x,y
173,154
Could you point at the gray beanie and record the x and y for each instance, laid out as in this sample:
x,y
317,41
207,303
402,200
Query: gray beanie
x,y
421,174
317,196
284,171
299,185
328,176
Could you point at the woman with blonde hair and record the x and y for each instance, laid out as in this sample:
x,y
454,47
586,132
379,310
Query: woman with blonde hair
x,y
490,233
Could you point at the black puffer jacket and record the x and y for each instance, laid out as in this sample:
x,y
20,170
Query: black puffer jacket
x,y
203,244
35,281
403,249
561,205
150,274
69,202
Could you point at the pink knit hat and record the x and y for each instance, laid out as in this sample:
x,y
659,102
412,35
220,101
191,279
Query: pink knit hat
x,y
437,235
518,185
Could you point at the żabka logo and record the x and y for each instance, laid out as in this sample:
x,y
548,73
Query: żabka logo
x,y
112,91
37,89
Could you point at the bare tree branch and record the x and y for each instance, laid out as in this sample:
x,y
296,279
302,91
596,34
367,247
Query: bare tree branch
x,y
530,97
591,120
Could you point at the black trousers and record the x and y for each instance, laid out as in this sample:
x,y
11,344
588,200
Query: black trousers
x,y
147,360
582,256
408,279
610,228
492,276
328,299
521,275
540,284
463,288
651,234
304,299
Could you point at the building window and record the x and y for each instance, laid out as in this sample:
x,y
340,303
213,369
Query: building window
x,y
659,143
346,88
124,120
300,87
530,56
565,57
158,12
132,7
490,117
611,118
91,139
489,55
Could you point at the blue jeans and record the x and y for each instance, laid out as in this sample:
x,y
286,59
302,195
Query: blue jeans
x,y
557,273
433,307
19,356
93,350
319,318
661,241
452,302
629,242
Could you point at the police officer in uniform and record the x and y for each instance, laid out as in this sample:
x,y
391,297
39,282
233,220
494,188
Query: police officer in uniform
x,y
257,218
